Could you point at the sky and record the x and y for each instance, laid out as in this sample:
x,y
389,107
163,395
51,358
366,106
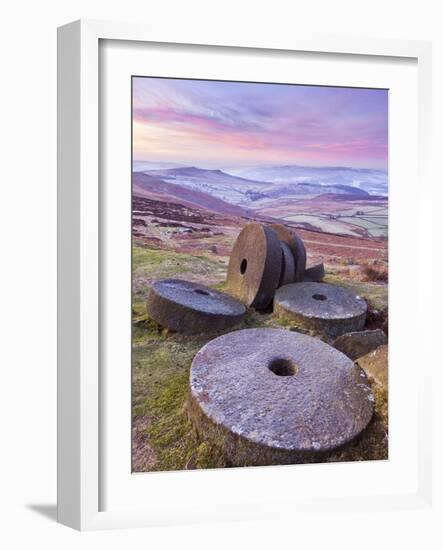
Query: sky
x,y
215,124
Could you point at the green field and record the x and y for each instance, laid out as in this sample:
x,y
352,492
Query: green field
x,y
323,223
374,226
347,222
367,210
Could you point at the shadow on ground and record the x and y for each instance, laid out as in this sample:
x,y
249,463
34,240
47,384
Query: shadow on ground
x,y
48,511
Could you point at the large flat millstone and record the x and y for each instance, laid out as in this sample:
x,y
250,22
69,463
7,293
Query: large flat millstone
x,y
321,308
182,306
272,396
255,266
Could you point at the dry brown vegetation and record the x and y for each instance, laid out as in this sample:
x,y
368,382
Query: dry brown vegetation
x,y
375,272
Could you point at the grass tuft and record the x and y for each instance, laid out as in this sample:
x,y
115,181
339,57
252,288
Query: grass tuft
x,y
373,272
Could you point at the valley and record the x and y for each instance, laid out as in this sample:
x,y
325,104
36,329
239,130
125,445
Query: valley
x,y
338,201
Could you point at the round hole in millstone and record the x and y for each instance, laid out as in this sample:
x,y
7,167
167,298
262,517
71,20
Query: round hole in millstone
x,y
237,403
283,367
191,308
201,291
321,308
255,282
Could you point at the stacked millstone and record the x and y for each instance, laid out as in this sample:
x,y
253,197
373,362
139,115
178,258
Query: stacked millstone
x,y
271,396
268,264
263,259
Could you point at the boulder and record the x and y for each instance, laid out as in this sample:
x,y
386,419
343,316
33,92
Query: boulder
x,y
357,344
375,365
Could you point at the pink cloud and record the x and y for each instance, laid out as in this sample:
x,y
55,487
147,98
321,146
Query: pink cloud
x,y
270,122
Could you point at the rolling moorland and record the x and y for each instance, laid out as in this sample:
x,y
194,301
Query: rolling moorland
x,y
185,220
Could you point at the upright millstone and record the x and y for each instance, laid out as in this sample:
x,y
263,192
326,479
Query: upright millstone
x,y
255,266
296,246
182,306
272,396
321,308
287,267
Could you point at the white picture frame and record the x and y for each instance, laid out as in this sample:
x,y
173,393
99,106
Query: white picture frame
x,y
80,365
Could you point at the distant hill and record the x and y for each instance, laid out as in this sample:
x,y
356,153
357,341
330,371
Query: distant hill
x,y
193,172
369,180
228,188
245,191
349,190
294,189
146,185
350,197
145,165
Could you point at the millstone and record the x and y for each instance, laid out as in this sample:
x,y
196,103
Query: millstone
x,y
271,396
255,266
315,273
182,306
288,266
293,241
321,307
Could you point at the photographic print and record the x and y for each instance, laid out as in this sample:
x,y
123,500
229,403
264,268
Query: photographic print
x,y
259,274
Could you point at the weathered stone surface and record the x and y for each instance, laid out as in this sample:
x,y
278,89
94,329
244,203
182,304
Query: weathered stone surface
x,y
357,344
288,266
315,273
182,306
271,396
321,308
377,318
375,364
255,266
295,244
